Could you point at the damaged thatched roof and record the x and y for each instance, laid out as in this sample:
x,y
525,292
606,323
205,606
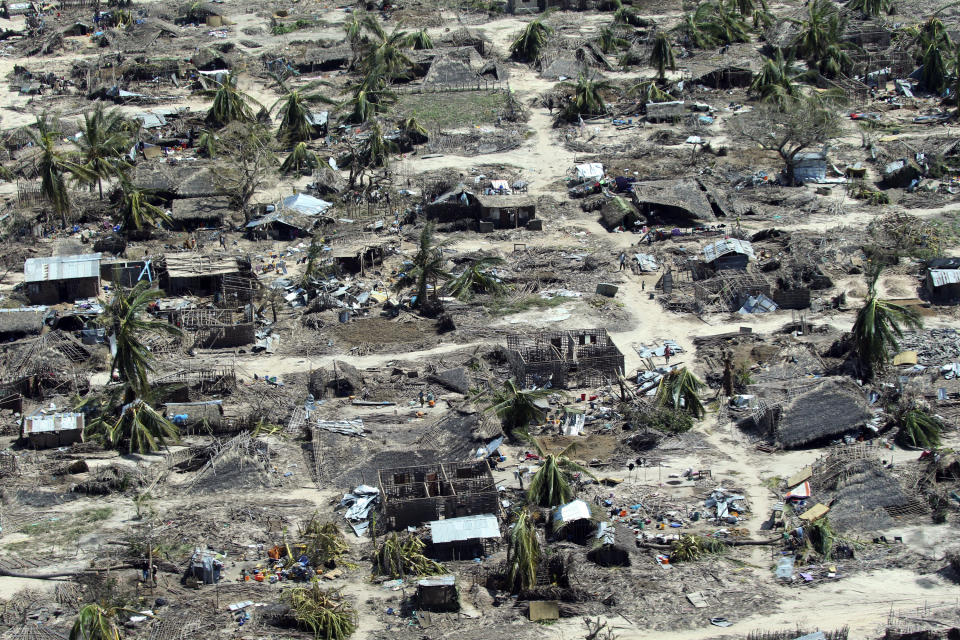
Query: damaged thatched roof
x,y
686,194
25,321
201,208
180,181
827,410
454,67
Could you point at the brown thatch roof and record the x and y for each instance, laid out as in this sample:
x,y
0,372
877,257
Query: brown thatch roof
x,y
180,181
827,410
451,69
686,194
201,208
25,321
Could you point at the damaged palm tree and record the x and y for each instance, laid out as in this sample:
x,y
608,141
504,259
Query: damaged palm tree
x,y
477,278
427,268
680,389
517,408
229,104
689,548
919,429
523,554
878,326
139,428
529,44
301,161
550,486
400,557
93,622
322,542
323,613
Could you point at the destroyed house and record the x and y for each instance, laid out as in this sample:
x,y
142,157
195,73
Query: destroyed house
x,y
564,359
679,202
355,259
20,323
313,59
62,278
810,166
438,593
729,253
217,328
488,211
281,225
661,111
808,415
943,285
193,417
43,430
128,272
725,78
413,496
189,214
198,274
464,538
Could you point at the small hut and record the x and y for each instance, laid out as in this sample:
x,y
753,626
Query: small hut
x,y
45,430
729,253
62,278
22,322
189,214
464,538
438,593
197,274
942,282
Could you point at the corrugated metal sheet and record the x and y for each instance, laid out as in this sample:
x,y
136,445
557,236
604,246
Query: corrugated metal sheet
x,y
54,422
62,268
940,277
438,581
576,510
720,248
465,528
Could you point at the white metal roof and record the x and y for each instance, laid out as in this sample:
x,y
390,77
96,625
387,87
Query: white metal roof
x,y
61,268
721,248
576,510
465,528
941,277
41,423
438,581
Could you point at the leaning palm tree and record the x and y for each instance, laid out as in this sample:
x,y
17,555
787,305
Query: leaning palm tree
x,y
125,323
102,146
136,210
648,91
587,97
476,277
412,132
609,40
529,43
774,83
517,408
878,325
53,166
933,31
301,161
523,553
298,121
870,8
367,101
93,622
139,428
680,389
427,267
550,486
230,104
661,56
419,40
919,429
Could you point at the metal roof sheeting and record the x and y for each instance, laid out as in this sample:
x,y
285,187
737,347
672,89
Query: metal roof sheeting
x,y
54,422
62,268
576,510
438,581
940,277
465,528
721,248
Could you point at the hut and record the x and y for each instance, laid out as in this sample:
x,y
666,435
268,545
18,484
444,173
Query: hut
x,y
810,166
207,13
464,538
189,214
454,67
574,522
195,416
661,111
178,181
617,212
506,211
942,282
197,274
438,593
808,415
44,430
21,322
728,77
681,202
354,259
729,253
62,278
281,225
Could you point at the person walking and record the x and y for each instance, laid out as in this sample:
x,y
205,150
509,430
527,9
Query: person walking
x,y
667,352
623,260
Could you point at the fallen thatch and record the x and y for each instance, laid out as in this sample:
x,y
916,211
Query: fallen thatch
x,y
17,323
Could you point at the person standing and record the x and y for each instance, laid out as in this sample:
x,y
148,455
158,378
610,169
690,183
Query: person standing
x,y
623,260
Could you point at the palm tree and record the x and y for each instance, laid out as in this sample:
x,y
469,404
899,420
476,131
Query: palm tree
x,y
136,211
523,554
919,429
297,124
95,623
870,8
103,145
661,56
125,323
53,167
834,61
550,486
933,73
823,27
933,31
477,277
529,43
427,267
516,407
419,40
609,40
648,91
207,143
714,23
383,52
587,97
230,104
139,426
878,325
301,161
412,132
775,83
370,97
627,16
680,389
